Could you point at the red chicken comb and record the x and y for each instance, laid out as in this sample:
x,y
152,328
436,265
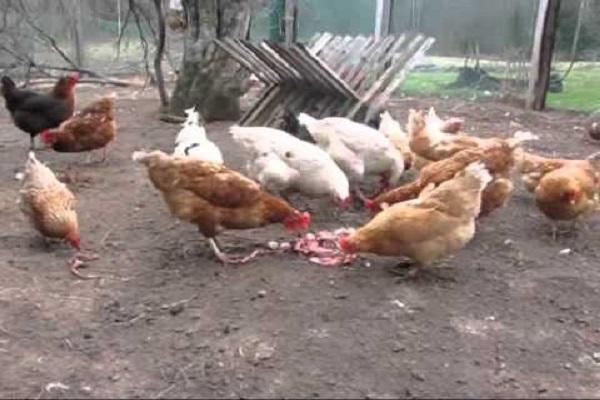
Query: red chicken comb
x,y
346,246
47,137
372,206
75,77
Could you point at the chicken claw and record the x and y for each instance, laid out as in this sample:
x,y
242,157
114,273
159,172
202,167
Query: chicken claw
x,y
227,259
79,261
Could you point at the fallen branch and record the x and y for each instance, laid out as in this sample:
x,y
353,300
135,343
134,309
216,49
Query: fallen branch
x,y
99,81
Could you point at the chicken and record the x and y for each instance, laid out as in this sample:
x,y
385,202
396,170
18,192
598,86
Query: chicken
x,y
50,207
34,112
192,142
533,167
393,131
350,143
92,128
452,125
427,140
213,197
563,189
440,222
498,157
569,192
283,163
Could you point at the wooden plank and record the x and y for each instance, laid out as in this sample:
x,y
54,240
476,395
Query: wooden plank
x,y
284,54
381,100
274,64
388,75
291,22
541,58
328,73
383,12
241,51
320,43
265,75
291,72
356,77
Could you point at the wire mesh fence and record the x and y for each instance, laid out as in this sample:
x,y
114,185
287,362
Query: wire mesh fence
x,y
482,47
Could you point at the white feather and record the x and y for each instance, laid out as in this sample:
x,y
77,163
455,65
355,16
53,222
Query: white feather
x,y
309,169
373,148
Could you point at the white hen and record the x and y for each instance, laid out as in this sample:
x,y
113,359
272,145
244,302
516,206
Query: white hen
x,y
284,163
392,129
370,146
191,141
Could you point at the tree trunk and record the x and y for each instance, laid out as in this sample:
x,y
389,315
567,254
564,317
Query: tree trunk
x,y
209,79
158,56
541,58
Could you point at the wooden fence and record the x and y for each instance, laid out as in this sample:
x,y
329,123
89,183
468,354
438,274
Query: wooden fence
x,y
351,76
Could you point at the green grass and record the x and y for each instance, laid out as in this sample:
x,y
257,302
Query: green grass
x,y
581,91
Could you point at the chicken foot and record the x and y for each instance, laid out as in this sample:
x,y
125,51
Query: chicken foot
x,y
405,270
79,261
227,259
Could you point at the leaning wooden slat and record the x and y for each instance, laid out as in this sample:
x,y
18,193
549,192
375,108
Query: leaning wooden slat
x,y
380,101
377,65
270,61
332,48
356,77
266,103
262,74
293,73
363,59
386,58
387,76
241,47
253,52
315,38
328,73
318,45
302,65
339,50
315,72
248,117
259,65
268,115
354,60
347,54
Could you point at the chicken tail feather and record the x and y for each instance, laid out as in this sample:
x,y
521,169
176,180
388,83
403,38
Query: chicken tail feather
x,y
478,170
306,120
140,156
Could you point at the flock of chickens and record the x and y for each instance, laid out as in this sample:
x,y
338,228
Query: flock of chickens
x,y
460,178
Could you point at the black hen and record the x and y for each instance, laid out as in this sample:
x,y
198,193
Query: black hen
x,y
34,112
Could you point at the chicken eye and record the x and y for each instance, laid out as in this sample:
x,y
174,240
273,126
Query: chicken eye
x,y
288,154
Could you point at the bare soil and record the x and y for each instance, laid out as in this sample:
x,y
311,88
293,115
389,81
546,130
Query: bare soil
x,y
506,317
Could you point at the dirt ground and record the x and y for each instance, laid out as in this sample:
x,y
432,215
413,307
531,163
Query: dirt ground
x,y
506,317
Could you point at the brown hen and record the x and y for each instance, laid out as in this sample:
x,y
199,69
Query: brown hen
x,y
214,198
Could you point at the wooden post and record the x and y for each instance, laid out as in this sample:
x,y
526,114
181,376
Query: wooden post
x,y
541,57
291,21
276,16
383,14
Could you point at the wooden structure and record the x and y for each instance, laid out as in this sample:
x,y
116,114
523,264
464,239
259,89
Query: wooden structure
x,y
330,75
541,57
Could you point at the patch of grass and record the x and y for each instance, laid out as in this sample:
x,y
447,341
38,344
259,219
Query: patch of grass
x,y
428,83
581,90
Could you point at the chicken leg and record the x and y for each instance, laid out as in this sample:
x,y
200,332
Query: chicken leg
x,y
225,259
31,143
